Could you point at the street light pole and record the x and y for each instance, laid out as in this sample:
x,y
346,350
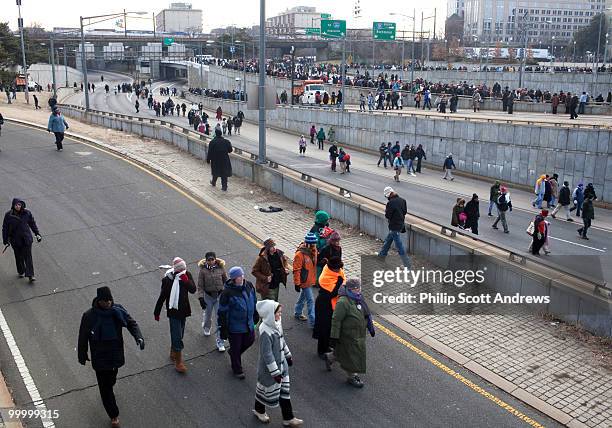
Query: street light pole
x,y
292,71
413,39
84,67
66,63
52,65
23,56
262,82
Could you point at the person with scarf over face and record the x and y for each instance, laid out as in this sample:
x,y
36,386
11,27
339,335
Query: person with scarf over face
x,y
332,277
273,382
351,320
176,285
101,331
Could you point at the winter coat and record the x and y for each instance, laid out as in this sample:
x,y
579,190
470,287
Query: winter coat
x,y
554,187
321,135
326,253
262,270
472,211
329,283
449,163
236,312
578,195
305,266
395,213
211,281
589,191
494,192
457,209
184,309
16,226
349,327
102,331
405,154
564,196
57,123
587,209
218,156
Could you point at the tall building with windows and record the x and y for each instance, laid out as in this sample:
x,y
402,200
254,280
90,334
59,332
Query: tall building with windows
x,y
509,21
179,17
455,7
294,20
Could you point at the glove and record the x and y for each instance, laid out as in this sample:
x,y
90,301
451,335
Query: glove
x,y
278,378
82,361
140,343
289,361
297,288
184,277
333,342
156,317
202,302
324,261
38,238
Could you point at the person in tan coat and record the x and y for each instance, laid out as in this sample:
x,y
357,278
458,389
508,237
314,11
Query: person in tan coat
x,y
211,279
270,270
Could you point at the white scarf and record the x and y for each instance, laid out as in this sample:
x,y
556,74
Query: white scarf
x,y
173,302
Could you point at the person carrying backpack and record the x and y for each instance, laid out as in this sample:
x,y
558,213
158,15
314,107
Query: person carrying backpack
x,y
503,205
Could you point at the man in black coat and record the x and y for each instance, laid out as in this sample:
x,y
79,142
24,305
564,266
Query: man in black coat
x,y
219,160
102,331
18,222
395,213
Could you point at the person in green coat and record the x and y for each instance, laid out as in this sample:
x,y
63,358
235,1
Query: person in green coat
x,y
321,138
350,322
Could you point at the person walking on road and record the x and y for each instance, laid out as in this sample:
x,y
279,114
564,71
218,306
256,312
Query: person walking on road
x,y
476,100
321,138
270,270
510,102
582,102
333,156
224,126
332,277
493,195
36,106
219,160
230,125
539,233
175,286
101,332
573,104
219,113
362,102
449,165
578,198
237,125
398,164
1,124
588,215
275,358
351,321
504,204
211,279
554,190
539,190
472,211
564,202
17,229
458,217
420,155
554,103
313,134
237,317
589,191
58,125
302,146
305,277
382,152
395,212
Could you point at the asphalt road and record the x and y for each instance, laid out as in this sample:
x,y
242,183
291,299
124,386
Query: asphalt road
x,y
427,201
107,222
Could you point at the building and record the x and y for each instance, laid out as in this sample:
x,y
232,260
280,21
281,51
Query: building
x,y
541,21
294,20
179,18
455,7
453,28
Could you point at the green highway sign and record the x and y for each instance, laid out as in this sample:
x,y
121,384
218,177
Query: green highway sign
x,y
333,28
325,16
168,41
383,30
313,31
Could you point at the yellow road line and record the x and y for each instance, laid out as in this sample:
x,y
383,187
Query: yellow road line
x,y
379,326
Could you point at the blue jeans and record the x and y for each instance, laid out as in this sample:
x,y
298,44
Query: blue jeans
x,y
395,237
538,201
491,205
553,201
306,297
177,331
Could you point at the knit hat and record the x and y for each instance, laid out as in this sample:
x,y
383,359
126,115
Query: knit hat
x,y
544,213
235,272
353,284
321,217
179,265
335,236
104,293
335,262
387,191
210,255
268,243
310,238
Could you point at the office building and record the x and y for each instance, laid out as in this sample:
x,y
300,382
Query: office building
x,y
455,7
294,20
179,18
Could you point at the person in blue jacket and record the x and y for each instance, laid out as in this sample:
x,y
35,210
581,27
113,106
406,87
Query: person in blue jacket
x,y
16,232
237,317
57,124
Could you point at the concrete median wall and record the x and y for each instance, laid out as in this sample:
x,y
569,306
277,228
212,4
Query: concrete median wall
x,y
580,302
514,153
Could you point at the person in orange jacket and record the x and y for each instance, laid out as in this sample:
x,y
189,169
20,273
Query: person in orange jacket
x,y
305,277
332,277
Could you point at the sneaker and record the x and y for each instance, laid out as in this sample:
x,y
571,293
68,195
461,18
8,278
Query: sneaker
x,y
295,422
329,361
206,331
490,215
495,227
584,237
263,417
32,278
240,376
301,317
355,381
553,216
506,231
20,275
221,347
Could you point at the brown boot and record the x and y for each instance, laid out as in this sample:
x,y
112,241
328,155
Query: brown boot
x,y
178,363
172,355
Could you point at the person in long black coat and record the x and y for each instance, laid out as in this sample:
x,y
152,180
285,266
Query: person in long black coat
x,y
18,222
219,160
472,211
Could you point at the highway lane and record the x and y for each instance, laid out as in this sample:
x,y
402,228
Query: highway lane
x,y
424,199
106,222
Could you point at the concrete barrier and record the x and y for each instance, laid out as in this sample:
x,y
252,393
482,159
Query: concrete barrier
x,y
577,300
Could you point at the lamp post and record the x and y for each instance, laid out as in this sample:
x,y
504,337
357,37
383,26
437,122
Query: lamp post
x,y
262,82
605,58
552,56
574,55
244,81
52,49
23,56
292,72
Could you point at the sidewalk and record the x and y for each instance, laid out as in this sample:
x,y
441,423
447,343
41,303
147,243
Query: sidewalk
x,y
556,368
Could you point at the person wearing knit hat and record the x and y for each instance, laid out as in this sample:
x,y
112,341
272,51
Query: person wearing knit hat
x,y
176,284
101,333
237,317
540,233
305,277
395,212
218,157
332,249
332,277
211,279
270,270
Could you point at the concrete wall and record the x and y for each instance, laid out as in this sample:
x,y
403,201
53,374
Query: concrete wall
x,y
579,302
509,152
42,74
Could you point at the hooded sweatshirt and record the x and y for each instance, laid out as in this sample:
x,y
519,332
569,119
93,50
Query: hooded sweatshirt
x,y
17,225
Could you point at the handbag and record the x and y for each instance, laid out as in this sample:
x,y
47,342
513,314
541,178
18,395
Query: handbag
x,y
530,229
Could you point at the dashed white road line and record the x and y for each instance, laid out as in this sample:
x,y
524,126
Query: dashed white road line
x,y
354,184
24,371
577,244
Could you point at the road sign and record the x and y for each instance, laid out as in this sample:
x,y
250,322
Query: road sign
x,y
313,31
168,41
333,28
383,30
325,16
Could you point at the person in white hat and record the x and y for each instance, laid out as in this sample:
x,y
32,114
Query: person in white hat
x,y
395,213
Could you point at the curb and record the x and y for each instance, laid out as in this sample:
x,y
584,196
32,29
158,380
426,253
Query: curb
x,y
257,235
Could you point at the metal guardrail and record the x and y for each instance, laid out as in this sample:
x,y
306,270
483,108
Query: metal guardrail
x,y
519,259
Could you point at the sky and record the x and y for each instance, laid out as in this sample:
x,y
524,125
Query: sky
x,y
65,13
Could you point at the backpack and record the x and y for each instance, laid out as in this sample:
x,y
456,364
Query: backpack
x,y
502,203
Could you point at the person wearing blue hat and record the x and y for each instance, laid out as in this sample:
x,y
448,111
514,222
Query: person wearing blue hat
x,y
237,316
